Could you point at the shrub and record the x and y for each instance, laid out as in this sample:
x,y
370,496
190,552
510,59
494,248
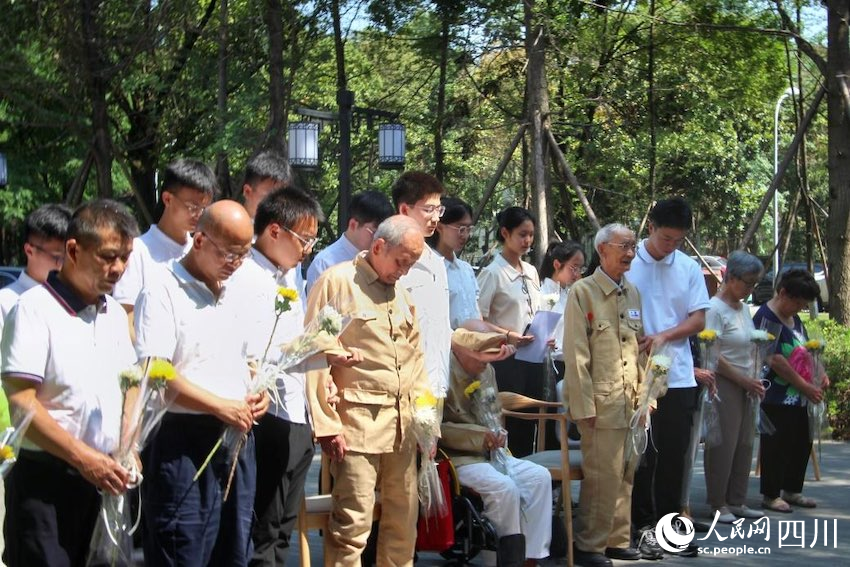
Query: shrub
x,y
836,360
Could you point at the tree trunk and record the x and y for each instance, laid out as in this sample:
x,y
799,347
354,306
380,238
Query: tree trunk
x,y
222,166
97,85
538,118
838,131
276,132
650,102
439,167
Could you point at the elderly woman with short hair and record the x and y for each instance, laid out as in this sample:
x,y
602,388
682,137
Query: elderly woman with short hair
x,y
727,466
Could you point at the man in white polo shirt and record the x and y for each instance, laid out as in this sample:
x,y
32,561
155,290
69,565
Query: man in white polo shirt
x,y
368,209
64,345
416,194
186,318
674,300
188,187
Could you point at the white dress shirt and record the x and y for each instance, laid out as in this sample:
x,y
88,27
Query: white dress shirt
x,y
670,290
428,286
503,298
151,251
463,291
9,295
343,250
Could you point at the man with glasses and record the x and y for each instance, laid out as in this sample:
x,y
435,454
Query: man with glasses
x,y
602,335
188,317
188,186
417,194
64,344
368,209
674,299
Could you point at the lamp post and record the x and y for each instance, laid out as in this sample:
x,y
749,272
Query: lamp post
x,y
790,91
3,175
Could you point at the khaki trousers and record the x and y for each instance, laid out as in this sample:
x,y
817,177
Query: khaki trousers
x,y
605,500
356,479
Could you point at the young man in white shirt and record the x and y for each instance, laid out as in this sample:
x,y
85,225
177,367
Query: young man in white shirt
x,y
188,187
368,209
674,300
64,344
265,172
186,317
416,194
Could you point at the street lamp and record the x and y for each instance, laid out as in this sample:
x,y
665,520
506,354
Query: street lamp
x,y
304,144
3,176
790,91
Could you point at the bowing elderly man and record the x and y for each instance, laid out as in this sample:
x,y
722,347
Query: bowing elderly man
x,y
602,340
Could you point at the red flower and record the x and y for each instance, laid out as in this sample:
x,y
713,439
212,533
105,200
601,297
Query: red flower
x,y
590,316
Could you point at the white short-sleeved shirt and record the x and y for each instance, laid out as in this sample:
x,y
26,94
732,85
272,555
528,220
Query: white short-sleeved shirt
x,y
151,251
343,250
178,318
560,306
74,354
9,295
670,290
734,328
463,291
502,298
428,286
254,288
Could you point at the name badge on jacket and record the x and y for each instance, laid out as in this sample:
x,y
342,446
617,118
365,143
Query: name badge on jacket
x,y
634,314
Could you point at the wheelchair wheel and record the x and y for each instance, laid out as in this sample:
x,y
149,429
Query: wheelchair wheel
x,y
473,532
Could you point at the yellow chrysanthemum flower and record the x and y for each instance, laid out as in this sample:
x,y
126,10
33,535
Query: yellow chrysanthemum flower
x,y
707,335
814,344
161,370
287,293
6,453
426,400
472,388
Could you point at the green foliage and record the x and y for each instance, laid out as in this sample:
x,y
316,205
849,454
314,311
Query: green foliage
x,y
836,360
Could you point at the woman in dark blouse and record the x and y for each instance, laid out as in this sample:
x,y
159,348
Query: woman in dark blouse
x,y
785,454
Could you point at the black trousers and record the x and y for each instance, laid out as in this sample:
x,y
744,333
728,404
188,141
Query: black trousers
x,y
284,453
51,512
659,477
785,454
524,378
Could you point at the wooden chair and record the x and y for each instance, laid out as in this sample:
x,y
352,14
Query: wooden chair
x,y
316,510
563,466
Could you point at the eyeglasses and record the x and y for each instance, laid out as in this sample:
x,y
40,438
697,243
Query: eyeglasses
x,y
430,210
194,210
58,259
578,270
462,230
229,257
624,246
307,242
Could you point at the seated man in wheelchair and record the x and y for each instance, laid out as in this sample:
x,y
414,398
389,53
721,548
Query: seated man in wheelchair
x,y
517,494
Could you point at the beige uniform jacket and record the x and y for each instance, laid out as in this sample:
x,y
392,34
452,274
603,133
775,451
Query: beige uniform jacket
x,y
376,395
601,330
462,434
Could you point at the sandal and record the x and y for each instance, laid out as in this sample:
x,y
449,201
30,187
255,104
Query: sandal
x,y
777,505
798,499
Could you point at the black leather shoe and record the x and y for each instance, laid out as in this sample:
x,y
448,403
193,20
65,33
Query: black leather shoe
x,y
588,559
622,553
701,527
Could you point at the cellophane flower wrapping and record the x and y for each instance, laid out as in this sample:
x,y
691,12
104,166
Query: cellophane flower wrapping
x,y
11,438
484,403
653,386
815,346
426,430
764,341
146,398
709,401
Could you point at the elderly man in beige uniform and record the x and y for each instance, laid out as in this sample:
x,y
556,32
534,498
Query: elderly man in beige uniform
x,y
368,434
602,339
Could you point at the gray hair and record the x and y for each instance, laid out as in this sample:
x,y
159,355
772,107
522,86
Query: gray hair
x,y
393,229
606,232
740,264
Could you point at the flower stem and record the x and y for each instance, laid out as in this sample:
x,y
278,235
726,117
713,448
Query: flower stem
x,y
208,459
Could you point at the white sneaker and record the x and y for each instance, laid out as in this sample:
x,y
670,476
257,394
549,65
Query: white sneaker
x,y
744,512
725,517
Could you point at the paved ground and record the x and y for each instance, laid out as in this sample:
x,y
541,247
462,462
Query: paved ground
x,y
832,493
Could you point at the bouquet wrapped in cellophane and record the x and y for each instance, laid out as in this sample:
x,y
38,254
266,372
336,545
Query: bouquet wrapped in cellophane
x,y
484,403
653,386
10,442
709,401
145,400
764,341
426,430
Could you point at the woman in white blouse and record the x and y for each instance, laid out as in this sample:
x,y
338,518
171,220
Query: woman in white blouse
x,y
509,295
